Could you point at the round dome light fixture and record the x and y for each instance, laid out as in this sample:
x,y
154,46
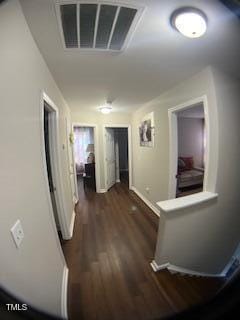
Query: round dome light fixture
x,y
106,109
191,22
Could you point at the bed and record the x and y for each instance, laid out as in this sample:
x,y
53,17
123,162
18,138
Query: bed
x,y
188,175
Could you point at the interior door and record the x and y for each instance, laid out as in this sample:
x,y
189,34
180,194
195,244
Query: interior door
x,y
110,158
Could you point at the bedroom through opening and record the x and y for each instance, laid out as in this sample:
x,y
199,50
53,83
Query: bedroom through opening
x,y
191,145
84,154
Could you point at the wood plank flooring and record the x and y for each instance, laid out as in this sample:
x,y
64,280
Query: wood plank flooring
x,y
108,258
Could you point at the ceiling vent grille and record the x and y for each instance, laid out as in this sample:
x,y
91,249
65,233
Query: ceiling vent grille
x,y
97,26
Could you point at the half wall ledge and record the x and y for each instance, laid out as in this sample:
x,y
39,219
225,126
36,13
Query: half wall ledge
x,y
186,202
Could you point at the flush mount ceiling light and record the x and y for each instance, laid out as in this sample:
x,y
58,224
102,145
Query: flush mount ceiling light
x,y
106,109
191,22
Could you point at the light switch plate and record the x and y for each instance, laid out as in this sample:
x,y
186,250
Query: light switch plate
x,y
17,233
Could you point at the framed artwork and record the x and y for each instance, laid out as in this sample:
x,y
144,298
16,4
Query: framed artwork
x,y
146,131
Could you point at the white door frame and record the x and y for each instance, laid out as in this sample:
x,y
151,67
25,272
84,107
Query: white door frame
x,y
96,150
72,167
129,151
173,143
56,166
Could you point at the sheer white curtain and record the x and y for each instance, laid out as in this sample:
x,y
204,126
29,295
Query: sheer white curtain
x,y
82,137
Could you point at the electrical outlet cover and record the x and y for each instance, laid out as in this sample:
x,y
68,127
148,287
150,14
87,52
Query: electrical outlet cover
x,y
17,233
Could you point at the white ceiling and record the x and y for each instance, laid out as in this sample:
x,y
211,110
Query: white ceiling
x,y
156,59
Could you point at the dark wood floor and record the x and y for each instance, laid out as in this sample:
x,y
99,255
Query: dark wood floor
x,y
108,259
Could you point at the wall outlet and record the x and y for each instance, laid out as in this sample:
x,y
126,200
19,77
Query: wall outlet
x,y
17,233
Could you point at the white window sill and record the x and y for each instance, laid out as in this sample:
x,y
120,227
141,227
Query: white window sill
x,y
186,202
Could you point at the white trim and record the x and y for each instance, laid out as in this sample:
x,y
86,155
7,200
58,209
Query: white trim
x,y
156,267
175,269
173,144
228,266
71,162
64,311
56,168
102,191
96,26
186,202
96,149
236,255
130,167
71,227
128,126
173,150
118,181
113,27
146,201
104,158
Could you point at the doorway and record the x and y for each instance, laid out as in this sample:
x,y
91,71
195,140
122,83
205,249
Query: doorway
x,y
86,158
188,125
51,166
48,151
191,150
117,155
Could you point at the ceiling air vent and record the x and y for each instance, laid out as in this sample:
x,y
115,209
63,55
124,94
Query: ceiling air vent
x,y
97,26
233,5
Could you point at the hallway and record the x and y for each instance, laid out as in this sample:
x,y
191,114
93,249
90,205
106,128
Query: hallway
x,y
111,240
108,259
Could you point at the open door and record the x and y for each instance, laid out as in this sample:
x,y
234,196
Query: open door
x,y
110,158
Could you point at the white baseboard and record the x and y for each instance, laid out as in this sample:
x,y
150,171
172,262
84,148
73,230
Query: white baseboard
x,y
175,269
64,312
156,267
118,180
228,266
102,191
146,201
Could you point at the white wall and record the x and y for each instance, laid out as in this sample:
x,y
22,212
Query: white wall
x,y
151,165
34,272
204,238
190,139
100,120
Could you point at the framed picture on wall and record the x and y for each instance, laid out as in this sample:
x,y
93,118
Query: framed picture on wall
x,y
146,131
